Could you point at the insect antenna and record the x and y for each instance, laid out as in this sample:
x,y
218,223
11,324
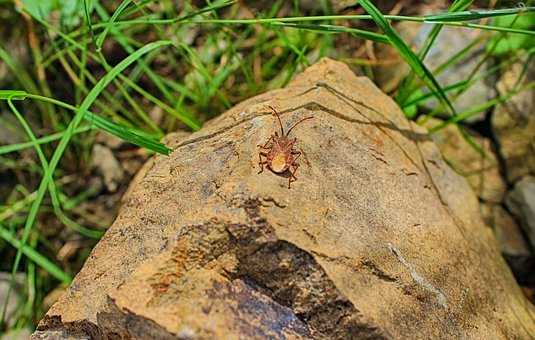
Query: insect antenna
x,y
276,114
302,120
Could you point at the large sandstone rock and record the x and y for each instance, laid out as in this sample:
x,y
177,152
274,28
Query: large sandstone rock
x,y
378,238
481,170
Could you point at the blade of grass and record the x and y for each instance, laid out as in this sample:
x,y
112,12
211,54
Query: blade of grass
x,y
463,84
321,18
13,94
427,95
122,6
446,18
380,38
476,14
154,77
31,284
473,72
485,27
198,67
21,75
206,9
456,58
88,21
17,206
109,104
186,17
406,87
481,107
81,84
127,134
81,111
51,185
35,256
406,53
458,5
138,6
189,121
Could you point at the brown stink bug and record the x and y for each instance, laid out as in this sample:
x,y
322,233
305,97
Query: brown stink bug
x,y
279,152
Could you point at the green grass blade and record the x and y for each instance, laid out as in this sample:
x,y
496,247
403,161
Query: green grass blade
x,y
143,65
486,27
406,87
457,5
406,53
185,118
209,8
476,14
123,132
457,57
100,40
88,21
422,97
463,84
481,107
35,256
186,17
80,113
127,134
18,71
13,94
51,185
325,28
43,140
322,18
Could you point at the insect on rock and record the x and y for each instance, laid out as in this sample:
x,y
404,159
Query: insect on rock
x,y
279,153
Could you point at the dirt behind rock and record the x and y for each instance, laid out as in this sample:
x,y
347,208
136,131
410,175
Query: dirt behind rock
x,y
377,239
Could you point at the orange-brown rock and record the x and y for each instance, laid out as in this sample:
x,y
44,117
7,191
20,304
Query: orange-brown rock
x,y
377,239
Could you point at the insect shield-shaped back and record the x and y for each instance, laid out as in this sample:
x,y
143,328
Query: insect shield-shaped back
x,y
279,152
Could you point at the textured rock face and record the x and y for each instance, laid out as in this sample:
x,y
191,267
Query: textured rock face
x,y
481,171
378,238
521,202
513,122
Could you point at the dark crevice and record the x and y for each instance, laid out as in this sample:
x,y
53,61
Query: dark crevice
x,y
52,327
502,164
123,324
291,277
372,267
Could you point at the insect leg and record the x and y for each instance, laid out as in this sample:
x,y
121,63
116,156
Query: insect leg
x,y
265,146
292,177
298,153
261,162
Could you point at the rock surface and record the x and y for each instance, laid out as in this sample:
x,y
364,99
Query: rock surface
x,y
513,122
108,166
521,202
508,232
378,238
512,243
481,170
